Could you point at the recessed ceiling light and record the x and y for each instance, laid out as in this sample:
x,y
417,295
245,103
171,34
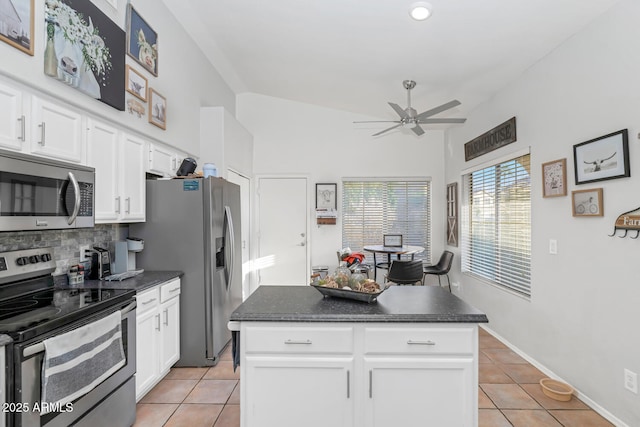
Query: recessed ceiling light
x,y
420,11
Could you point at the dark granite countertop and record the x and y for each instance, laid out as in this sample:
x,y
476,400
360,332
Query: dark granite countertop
x,y
139,283
411,304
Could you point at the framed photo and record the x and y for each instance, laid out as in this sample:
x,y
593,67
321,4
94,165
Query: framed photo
x,y
16,24
452,214
326,196
85,50
142,41
606,157
157,109
136,84
392,240
554,178
587,202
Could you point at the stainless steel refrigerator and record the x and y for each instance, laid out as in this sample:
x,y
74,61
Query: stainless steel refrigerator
x,y
190,227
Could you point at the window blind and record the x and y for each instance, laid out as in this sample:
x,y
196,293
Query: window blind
x,y
372,208
496,224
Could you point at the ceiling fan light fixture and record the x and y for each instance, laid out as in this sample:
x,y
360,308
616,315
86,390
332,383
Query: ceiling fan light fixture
x,y
420,11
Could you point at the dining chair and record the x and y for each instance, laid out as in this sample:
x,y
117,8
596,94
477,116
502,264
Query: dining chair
x,y
405,272
441,268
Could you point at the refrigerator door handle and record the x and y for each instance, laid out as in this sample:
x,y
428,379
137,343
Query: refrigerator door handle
x,y
232,242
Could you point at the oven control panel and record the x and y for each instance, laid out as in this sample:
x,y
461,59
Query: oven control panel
x,y
26,263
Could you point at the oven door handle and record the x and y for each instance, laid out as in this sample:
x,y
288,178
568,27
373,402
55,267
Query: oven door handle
x,y
39,347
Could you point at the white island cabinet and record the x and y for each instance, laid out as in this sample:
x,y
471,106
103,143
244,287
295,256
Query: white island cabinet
x,y
157,334
409,359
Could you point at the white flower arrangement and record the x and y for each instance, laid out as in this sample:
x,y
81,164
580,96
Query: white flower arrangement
x,y
76,31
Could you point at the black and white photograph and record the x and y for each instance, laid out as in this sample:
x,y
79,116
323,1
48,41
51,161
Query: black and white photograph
x,y
599,159
16,24
85,50
157,109
136,83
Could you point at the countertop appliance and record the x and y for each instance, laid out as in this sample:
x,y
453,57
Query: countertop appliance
x,y
33,310
100,263
190,228
38,193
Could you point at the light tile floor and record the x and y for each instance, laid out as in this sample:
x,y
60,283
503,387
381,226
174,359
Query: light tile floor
x,y
509,395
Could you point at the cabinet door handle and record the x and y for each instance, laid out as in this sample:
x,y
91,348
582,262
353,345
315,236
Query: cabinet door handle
x,y
427,342
42,133
166,317
118,204
23,136
305,342
158,319
148,302
370,383
173,290
127,205
348,385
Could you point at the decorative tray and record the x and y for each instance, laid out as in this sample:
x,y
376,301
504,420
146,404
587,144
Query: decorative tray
x,y
367,297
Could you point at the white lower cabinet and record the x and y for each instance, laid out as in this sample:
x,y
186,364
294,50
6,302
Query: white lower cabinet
x,y
361,375
157,334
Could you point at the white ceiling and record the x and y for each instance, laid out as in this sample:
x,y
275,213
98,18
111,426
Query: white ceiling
x,y
354,54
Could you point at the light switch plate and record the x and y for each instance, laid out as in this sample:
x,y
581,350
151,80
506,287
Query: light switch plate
x,y
553,246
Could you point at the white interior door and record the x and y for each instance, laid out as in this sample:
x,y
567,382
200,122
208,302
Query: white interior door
x,y
283,256
245,225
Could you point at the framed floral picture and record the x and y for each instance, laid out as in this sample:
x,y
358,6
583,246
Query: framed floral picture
x,y
85,50
157,109
136,84
554,178
142,41
16,24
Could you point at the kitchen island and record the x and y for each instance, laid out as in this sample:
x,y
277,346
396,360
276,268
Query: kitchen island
x,y
408,359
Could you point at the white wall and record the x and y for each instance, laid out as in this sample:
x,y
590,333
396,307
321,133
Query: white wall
x,y
323,144
582,319
185,77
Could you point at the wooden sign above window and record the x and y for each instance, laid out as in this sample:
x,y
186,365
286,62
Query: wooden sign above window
x,y
497,137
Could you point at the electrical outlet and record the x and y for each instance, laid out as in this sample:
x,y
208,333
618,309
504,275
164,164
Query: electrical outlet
x,y
631,381
83,255
553,246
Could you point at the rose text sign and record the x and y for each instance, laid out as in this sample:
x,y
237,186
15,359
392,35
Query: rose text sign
x,y
497,137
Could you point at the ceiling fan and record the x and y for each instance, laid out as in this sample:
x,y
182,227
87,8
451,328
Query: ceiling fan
x,y
409,115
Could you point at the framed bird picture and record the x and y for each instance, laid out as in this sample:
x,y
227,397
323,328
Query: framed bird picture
x,y
606,157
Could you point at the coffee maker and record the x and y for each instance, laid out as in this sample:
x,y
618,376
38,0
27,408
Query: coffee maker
x,y
134,245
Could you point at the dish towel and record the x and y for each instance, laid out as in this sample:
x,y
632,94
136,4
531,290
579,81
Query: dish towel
x,y
77,361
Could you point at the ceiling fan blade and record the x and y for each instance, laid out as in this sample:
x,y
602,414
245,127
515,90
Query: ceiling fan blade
x,y
437,110
417,130
398,109
378,121
388,129
436,121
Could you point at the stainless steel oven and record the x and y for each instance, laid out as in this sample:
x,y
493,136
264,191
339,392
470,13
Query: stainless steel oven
x,y
37,193
112,403
33,312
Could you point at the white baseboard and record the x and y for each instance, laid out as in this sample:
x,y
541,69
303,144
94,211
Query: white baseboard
x,y
586,399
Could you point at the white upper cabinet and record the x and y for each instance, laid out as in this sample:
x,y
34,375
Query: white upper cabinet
x,y
132,178
163,160
102,154
12,120
118,159
56,131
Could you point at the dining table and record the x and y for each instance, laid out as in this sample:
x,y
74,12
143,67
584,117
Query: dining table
x,y
398,251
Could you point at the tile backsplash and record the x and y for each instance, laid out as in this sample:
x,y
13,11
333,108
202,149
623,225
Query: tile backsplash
x,y
66,243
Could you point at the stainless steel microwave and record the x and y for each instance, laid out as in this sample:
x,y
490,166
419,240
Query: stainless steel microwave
x,y
38,193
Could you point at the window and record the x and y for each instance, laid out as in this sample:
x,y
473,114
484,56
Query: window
x,y
496,241
372,208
